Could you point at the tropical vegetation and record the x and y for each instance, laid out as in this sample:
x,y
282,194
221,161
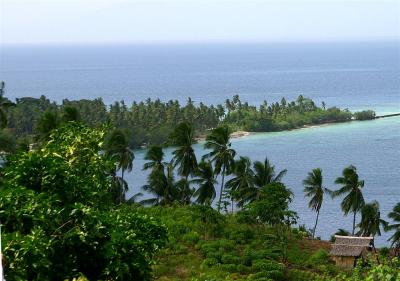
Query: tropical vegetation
x,y
218,216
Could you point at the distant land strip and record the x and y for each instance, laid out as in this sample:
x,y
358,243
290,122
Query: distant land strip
x,y
387,115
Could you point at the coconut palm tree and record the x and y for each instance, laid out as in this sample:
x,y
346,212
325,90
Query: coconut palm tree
x,y
395,226
4,104
119,187
184,156
241,185
222,155
371,220
155,155
264,173
117,148
206,192
352,190
163,186
314,189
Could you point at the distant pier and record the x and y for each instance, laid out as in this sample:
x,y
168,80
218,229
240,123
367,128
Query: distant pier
x,y
387,115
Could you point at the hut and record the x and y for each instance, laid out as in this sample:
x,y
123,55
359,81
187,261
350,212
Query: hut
x,y
347,249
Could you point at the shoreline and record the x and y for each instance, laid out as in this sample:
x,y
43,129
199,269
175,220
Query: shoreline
x,y
243,134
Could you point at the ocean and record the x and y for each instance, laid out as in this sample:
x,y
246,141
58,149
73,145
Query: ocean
x,y
357,76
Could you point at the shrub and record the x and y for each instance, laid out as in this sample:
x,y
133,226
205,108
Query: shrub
x,y
364,115
191,237
230,259
320,257
209,262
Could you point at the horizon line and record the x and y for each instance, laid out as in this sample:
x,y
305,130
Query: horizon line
x,y
211,42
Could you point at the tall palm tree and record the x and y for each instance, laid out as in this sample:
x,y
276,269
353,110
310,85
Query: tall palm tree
x,y
184,156
117,148
352,189
242,184
163,186
221,154
4,104
155,155
206,192
371,220
119,187
313,188
395,226
264,173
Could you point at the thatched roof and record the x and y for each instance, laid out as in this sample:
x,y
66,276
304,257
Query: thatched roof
x,y
350,246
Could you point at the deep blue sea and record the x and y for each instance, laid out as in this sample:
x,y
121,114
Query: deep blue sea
x,y
357,76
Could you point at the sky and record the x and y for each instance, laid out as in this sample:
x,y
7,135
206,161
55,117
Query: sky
x,y
196,21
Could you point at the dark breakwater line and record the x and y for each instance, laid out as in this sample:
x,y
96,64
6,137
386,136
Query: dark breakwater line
x,y
387,115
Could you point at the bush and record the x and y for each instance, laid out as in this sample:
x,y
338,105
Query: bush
x,y
191,237
320,257
230,259
209,262
364,115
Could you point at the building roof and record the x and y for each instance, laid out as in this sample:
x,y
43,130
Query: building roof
x,y
350,246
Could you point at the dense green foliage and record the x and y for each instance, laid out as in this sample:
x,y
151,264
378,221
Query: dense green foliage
x,y
58,216
152,121
65,216
364,115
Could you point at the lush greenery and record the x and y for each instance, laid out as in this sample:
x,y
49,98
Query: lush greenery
x,y
65,215
59,217
151,122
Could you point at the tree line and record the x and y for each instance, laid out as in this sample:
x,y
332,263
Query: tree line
x,y
151,122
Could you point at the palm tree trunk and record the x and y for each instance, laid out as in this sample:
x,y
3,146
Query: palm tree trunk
x,y
354,222
222,188
122,191
187,199
315,226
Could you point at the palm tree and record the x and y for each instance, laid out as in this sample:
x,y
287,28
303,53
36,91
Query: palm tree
x,y
155,155
163,186
371,220
119,187
313,188
4,104
395,216
184,156
206,192
264,173
351,187
117,148
243,181
221,154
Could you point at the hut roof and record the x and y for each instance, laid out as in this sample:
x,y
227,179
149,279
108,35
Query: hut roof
x,y
350,246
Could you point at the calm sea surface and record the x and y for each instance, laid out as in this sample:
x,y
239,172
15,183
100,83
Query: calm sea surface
x,y
357,76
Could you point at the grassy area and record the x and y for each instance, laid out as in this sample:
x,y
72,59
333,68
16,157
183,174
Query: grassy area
x,y
204,245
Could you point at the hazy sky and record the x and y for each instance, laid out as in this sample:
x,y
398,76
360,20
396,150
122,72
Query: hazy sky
x,y
166,21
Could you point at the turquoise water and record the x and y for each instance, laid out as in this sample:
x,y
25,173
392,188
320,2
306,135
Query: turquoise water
x,y
372,146
358,76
